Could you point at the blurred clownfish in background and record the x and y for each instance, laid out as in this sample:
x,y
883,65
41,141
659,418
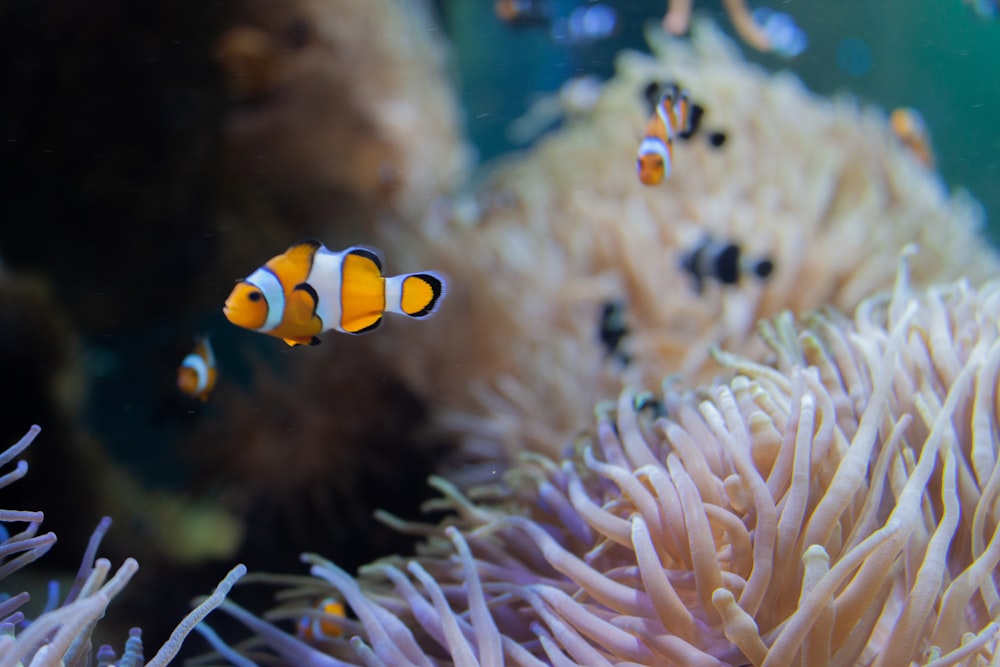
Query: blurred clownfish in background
x,y
522,12
724,262
674,116
313,628
911,130
197,373
309,289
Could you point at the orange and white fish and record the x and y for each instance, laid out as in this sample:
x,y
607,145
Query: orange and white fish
x,y
310,289
911,130
312,628
674,116
522,12
724,262
198,372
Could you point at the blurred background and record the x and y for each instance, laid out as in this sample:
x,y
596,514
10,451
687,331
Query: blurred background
x,y
140,178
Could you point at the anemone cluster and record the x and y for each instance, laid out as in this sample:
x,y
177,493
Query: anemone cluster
x,y
835,506
819,186
61,635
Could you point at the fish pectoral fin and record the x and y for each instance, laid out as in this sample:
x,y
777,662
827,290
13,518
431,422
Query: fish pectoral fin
x,y
300,308
301,340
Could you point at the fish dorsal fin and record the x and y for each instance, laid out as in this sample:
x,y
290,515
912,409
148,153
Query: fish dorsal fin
x,y
371,254
307,247
362,291
294,265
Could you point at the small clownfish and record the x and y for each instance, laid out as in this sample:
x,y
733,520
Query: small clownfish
x,y
674,115
911,130
722,261
521,12
612,328
197,373
309,289
312,628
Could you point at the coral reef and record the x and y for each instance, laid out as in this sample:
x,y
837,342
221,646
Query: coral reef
x,y
343,112
548,237
61,634
837,506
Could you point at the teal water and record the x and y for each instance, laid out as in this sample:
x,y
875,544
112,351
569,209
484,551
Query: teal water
x,y
933,55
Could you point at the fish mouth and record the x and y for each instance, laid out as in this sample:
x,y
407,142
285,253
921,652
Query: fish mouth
x,y
227,310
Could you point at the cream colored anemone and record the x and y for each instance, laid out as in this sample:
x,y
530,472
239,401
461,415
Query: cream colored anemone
x,y
820,186
61,636
837,506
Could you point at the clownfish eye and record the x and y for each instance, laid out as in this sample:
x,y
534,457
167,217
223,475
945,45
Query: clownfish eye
x,y
254,296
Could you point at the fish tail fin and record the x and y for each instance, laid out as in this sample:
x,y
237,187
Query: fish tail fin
x,y
414,294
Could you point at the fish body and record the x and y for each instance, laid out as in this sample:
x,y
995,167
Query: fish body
x,y
312,628
673,116
911,130
198,372
310,289
722,261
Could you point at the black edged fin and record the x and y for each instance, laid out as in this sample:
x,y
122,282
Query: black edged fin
x,y
651,95
312,243
437,289
763,268
367,254
310,290
315,341
717,139
371,327
694,122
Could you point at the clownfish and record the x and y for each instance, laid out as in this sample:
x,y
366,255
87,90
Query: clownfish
x,y
911,130
521,12
312,628
674,116
723,262
197,373
310,289
612,328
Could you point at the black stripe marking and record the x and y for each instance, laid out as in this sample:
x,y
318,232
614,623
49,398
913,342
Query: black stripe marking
x,y
727,265
364,252
371,327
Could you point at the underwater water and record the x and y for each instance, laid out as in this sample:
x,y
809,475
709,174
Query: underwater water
x,y
149,164
932,56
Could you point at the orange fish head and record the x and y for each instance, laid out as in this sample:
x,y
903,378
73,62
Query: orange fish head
x,y
187,380
651,169
246,306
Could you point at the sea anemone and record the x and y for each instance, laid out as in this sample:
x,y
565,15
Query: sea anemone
x,y
835,506
820,186
61,635
754,28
